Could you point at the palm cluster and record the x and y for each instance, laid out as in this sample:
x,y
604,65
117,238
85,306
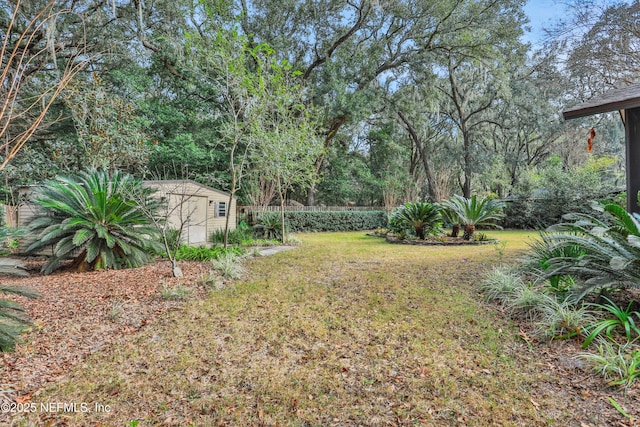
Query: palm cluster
x,y
600,250
95,219
472,212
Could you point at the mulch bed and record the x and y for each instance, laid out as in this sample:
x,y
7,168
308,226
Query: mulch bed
x,y
439,241
78,314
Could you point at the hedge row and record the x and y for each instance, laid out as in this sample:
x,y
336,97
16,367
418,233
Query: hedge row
x,y
335,220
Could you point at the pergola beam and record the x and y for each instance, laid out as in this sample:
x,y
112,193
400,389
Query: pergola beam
x,y
632,137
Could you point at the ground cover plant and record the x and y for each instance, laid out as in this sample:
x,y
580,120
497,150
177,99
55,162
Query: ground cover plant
x,y
344,330
203,253
579,281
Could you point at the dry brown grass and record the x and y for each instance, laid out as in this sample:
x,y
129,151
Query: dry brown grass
x,y
344,330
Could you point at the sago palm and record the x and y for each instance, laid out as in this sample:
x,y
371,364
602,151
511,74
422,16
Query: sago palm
x,y
424,218
475,212
452,218
95,219
13,320
609,249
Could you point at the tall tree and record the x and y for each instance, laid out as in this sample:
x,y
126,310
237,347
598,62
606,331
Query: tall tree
x,y
604,44
288,137
348,49
36,68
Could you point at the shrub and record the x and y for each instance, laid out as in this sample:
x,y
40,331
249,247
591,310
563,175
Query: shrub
x,y
203,253
95,219
561,319
620,364
536,261
599,252
315,221
451,218
269,226
10,239
500,284
528,300
229,265
241,235
545,194
622,319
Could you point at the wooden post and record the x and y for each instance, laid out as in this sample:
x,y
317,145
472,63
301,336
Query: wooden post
x,y
632,134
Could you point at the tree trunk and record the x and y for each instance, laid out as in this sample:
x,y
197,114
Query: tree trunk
x,y
282,227
311,196
466,186
335,126
226,223
469,229
455,230
418,144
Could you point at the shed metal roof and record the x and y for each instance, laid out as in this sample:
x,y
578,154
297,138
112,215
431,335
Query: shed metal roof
x,y
165,182
613,100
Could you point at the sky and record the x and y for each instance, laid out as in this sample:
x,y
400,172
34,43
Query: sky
x,y
542,13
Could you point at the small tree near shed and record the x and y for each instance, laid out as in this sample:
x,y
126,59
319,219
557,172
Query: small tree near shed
x,y
170,217
289,143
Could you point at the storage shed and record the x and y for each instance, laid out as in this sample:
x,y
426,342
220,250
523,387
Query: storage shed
x,y
202,209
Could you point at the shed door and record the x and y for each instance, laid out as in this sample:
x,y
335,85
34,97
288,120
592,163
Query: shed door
x,y
190,212
197,220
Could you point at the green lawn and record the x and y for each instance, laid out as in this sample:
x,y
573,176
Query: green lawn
x,y
343,330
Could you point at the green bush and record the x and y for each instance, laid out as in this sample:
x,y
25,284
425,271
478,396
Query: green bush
x,y
241,235
474,212
269,226
10,239
598,251
545,194
203,253
312,221
229,266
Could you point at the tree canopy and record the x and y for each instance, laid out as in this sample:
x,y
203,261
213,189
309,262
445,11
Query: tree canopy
x,y
384,102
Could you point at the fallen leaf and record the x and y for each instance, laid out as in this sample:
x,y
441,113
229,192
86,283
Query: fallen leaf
x,y
23,398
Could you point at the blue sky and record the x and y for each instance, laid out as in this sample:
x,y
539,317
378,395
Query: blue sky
x,y
541,14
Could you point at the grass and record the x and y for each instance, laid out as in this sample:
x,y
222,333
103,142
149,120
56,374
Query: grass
x,y
345,330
